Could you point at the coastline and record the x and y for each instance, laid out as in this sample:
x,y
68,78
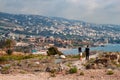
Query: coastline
x,y
105,48
62,49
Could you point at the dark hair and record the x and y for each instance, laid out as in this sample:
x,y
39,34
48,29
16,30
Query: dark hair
x,y
87,45
79,49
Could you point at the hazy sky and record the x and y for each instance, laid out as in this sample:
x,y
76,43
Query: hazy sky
x,y
96,11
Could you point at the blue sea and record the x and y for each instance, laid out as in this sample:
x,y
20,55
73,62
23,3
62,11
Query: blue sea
x,y
105,48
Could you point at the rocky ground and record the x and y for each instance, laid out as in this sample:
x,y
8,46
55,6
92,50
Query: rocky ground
x,y
35,68
88,75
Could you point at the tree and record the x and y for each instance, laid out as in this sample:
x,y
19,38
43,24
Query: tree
x,y
9,44
53,51
9,51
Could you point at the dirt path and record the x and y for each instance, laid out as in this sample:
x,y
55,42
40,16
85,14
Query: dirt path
x,y
79,63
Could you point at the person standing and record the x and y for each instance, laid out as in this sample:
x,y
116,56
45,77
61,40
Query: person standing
x,y
80,52
87,51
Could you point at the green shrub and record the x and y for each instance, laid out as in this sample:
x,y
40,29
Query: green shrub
x,y
53,71
2,58
73,70
9,51
53,75
118,65
22,72
81,73
110,72
18,57
5,69
69,64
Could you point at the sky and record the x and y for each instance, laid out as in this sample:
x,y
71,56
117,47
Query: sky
x,y
94,11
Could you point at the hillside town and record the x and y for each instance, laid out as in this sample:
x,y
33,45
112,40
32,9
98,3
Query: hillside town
x,y
34,25
40,44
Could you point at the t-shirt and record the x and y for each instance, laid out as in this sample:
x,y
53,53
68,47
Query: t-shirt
x,y
87,50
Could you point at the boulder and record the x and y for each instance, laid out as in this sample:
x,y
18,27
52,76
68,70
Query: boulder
x,y
48,69
102,61
94,66
100,66
113,57
62,56
88,66
37,63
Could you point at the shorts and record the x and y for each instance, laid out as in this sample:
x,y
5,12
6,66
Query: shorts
x,y
80,53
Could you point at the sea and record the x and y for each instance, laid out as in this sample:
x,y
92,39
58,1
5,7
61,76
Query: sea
x,y
103,48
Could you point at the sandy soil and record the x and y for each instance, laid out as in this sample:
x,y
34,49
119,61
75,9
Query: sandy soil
x,y
92,74
88,75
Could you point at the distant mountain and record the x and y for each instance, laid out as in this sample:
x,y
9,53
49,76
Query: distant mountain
x,y
55,26
35,20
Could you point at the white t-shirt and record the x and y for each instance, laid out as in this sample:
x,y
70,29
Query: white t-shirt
x,y
80,53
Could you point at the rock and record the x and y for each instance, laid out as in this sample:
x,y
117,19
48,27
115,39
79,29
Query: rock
x,y
48,69
88,66
119,60
102,61
110,66
113,57
57,56
109,69
62,56
37,70
94,66
0,68
100,66
37,63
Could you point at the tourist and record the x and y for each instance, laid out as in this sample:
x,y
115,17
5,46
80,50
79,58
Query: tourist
x,y
87,52
80,52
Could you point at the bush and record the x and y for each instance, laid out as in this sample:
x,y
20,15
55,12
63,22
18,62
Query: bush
x,y
53,51
53,75
22,72
73,70
53,72
69,64
81,73
110,72
2,58
9,51
118,65
19,57
5,69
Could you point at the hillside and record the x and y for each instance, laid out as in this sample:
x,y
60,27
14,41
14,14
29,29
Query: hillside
x,y
57,27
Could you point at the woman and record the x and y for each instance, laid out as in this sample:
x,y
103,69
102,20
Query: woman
x,y
80,52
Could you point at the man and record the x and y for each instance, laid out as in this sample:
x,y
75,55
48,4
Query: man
x,y
87,51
